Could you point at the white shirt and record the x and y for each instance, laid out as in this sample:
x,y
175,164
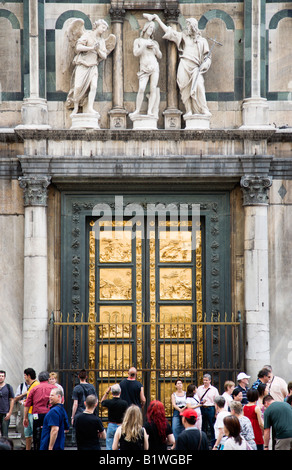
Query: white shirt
x,y
220,425
209,396
230,444
194,401
228,400
277,388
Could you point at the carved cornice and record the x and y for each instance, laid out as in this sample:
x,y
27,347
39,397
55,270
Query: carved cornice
x,y
35,189
255,189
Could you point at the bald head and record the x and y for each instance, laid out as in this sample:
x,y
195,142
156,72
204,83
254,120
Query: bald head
x,y
132,372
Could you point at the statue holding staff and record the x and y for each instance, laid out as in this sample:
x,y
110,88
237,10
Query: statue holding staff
x,y
195,60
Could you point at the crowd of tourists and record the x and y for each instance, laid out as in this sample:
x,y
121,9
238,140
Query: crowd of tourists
x,y
245,416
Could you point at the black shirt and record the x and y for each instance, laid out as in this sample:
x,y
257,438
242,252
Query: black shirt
x,y
155,442
131,391
132,445
189,440
80,392
116,409
87,427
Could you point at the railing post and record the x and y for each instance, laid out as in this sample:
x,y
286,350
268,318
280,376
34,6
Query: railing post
x,y
51,341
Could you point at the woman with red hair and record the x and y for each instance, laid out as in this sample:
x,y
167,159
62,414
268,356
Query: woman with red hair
x,y
158,428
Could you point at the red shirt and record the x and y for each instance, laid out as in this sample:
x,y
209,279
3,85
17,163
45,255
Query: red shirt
x,y
249,412
38,398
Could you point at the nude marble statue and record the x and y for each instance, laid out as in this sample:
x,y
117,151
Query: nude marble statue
x,y
148,51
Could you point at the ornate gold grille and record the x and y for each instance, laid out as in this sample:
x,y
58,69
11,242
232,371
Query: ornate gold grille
x,y
173,351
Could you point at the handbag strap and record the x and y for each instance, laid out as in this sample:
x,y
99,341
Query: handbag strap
x,y
200,440
205,393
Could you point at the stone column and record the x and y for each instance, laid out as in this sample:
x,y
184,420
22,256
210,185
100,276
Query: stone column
x,y
256,269
34,109
172,115
118,114
255,109
35,309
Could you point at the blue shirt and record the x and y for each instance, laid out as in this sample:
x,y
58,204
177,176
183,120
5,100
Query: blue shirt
x,y
57,416
256,384
244,391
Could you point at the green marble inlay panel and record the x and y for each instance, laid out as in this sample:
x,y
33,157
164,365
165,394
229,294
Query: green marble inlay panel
x,y
42,58
279,16
10,17
237,94
73,14
209,15
13,20
274,22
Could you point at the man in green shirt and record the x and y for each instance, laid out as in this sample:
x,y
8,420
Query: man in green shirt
x,y
278,416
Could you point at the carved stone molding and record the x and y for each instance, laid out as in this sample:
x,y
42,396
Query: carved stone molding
x,y
35,189
255,189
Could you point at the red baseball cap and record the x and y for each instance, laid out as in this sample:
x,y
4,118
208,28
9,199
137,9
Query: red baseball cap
x,y
188,413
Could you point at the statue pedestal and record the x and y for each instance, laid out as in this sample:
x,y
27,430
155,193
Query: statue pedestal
x,y
34,113
172,119
197,121
118,118
143,121
255,114
85,121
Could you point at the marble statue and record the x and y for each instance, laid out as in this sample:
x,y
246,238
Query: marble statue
x,y
195,60
148,51
89,49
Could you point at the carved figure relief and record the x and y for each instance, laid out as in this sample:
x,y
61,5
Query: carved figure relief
x,y
116,321
175,246
175,283
115,249
116,284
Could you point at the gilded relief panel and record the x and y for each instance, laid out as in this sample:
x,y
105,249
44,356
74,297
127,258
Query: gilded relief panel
x,y
114,359
115,246
175,246
175,283
116,321
174,321
177,359
115,284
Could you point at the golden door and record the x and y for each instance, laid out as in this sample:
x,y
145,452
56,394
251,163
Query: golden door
x,y
145,303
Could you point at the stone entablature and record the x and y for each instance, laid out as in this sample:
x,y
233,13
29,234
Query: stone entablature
x,y
209,155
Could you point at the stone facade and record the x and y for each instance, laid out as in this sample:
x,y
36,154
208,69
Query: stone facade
x,y
246,152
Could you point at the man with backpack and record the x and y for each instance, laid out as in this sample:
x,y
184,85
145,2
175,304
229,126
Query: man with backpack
x,y
79,394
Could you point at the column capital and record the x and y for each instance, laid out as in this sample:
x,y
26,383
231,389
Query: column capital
x,y
35,189
171,12
117,14
255,189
